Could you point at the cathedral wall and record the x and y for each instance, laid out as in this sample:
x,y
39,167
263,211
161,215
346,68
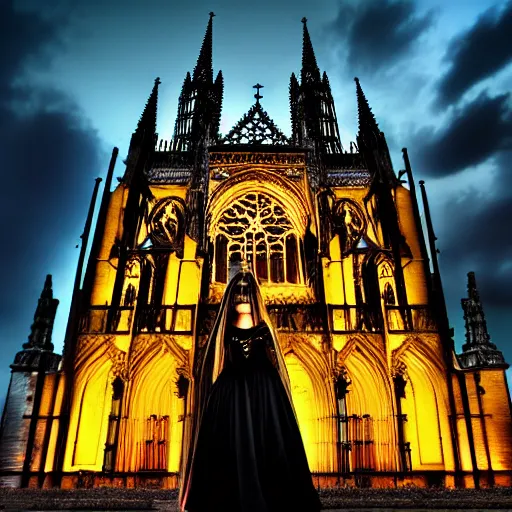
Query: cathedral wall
x,y
369,405
491,418
313,397
105,268
414,273
41,447
151,431
58,389
97,359
15,425
498,417
462,428
89,416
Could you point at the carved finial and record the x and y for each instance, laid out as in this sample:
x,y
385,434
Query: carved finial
x,y
304,20
258,96
212,14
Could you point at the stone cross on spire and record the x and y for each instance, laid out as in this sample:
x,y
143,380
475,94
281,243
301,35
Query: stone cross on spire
x,y
258,96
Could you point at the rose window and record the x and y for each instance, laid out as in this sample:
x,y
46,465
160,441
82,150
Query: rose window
x,y
256,228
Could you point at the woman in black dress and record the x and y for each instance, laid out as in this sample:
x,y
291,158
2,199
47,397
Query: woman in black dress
x,y
247,453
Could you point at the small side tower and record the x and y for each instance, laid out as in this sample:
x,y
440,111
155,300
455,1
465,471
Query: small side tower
x,y
478,351
22,405
486,389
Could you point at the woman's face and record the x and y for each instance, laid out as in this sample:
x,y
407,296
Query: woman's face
x,y
243,308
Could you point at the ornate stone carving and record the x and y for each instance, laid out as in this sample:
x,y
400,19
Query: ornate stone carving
x,y
166,222
220,158
256,127
350,224
341,382
399,368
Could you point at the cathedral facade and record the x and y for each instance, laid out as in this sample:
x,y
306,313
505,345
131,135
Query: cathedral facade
x,y
351,283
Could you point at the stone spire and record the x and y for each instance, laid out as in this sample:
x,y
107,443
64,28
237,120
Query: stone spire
x,y
200,102
478,351
310,72
147,121
203,72
312,111
371,141
40,338
368,128
144,138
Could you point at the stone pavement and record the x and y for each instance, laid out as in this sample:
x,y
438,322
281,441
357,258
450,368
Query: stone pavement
x,y
333,500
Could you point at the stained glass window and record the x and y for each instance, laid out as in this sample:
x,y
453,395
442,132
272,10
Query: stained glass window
x,y
255,227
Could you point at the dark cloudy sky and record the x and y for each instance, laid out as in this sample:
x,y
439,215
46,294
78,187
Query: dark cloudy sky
x,y
75,75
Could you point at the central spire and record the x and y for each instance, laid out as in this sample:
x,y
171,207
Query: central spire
x,y
203,72
310,71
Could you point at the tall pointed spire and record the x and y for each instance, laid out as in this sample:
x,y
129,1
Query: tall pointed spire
x,y
367,123
295,110
478,351
144,137
41,335
203,72
310,72
200,102
147,121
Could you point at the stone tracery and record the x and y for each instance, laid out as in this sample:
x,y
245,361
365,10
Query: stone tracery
x,y
255,227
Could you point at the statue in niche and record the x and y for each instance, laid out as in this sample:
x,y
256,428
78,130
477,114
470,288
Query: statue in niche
x,y
166,222
246,452
349,223
389,295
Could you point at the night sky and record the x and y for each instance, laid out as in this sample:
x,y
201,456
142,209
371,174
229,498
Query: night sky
x,y
75,75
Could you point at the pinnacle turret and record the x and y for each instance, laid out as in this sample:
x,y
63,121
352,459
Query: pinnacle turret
x,y
312,109
478,351
147,121
203,72
200,103
41,335
367,124
37,352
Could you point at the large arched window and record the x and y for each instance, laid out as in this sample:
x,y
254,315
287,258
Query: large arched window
x,y
255,227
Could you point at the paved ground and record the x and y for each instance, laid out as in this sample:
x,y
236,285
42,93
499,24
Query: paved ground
x,y
333,500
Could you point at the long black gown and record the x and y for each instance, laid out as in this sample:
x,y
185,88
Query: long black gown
x,y
249,455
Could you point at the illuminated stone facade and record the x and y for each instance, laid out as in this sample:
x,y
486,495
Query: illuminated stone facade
x,y
334,238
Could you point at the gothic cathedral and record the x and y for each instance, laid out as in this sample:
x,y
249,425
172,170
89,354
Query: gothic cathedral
x,y
351,283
